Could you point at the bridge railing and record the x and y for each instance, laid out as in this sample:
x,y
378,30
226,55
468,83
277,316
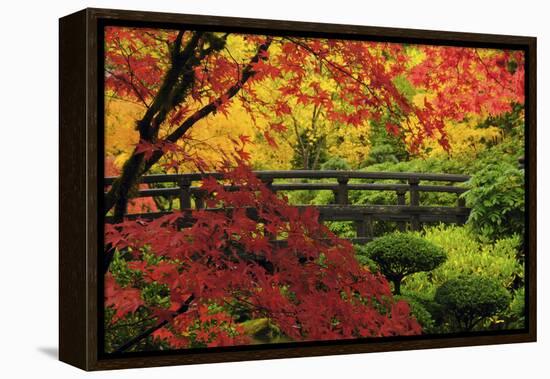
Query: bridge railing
x,y
185,188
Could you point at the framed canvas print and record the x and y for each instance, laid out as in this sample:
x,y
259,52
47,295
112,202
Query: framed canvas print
x,y
237,189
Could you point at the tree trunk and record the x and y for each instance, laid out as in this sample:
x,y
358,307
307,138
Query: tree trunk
x,y
397,285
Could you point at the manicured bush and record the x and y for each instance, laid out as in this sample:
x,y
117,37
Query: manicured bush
x,y
361,254
470,299
402,254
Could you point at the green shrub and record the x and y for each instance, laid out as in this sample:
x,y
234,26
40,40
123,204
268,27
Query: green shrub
x,y
372,197
362,256
514,316
335,163
344,229
323,198
300,197
420,313
470,299
497,199
435,323
401,254
443,163
431,164
467,255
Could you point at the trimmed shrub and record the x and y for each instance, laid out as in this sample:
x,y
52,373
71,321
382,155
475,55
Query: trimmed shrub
x,y
361,254
471,299
401,254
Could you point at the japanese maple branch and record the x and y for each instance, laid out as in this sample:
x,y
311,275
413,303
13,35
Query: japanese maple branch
x,y
127,58
131,84
127,345
130,177
135,166
148,125
247,73
339,68
489,73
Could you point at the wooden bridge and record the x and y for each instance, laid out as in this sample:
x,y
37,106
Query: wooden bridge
x,y
408,210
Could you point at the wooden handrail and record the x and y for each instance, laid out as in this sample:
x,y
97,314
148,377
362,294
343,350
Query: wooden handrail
x,y
308,174
195,190
363,215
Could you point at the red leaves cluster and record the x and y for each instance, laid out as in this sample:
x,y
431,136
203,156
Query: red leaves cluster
x,y
311,286
131,70
468,80
123,300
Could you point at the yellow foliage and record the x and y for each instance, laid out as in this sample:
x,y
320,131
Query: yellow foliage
x,y
120,128
465,138
350,143
211,138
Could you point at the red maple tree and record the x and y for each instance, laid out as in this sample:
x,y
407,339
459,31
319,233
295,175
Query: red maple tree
x,y
235,259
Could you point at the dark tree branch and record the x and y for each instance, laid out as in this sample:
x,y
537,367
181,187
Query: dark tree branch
x,y
182,309
136,162
131,84
136,166
248,72
148,125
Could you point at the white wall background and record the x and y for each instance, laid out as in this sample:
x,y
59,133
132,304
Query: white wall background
x,y
28,195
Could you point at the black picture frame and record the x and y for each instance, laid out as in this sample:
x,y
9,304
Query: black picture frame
x,y
81,188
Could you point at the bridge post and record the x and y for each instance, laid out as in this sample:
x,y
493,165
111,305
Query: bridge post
x,y
401,225
461,203
185,194
342,193
365,227
268,183
199,200
415,201
369,226
360,229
